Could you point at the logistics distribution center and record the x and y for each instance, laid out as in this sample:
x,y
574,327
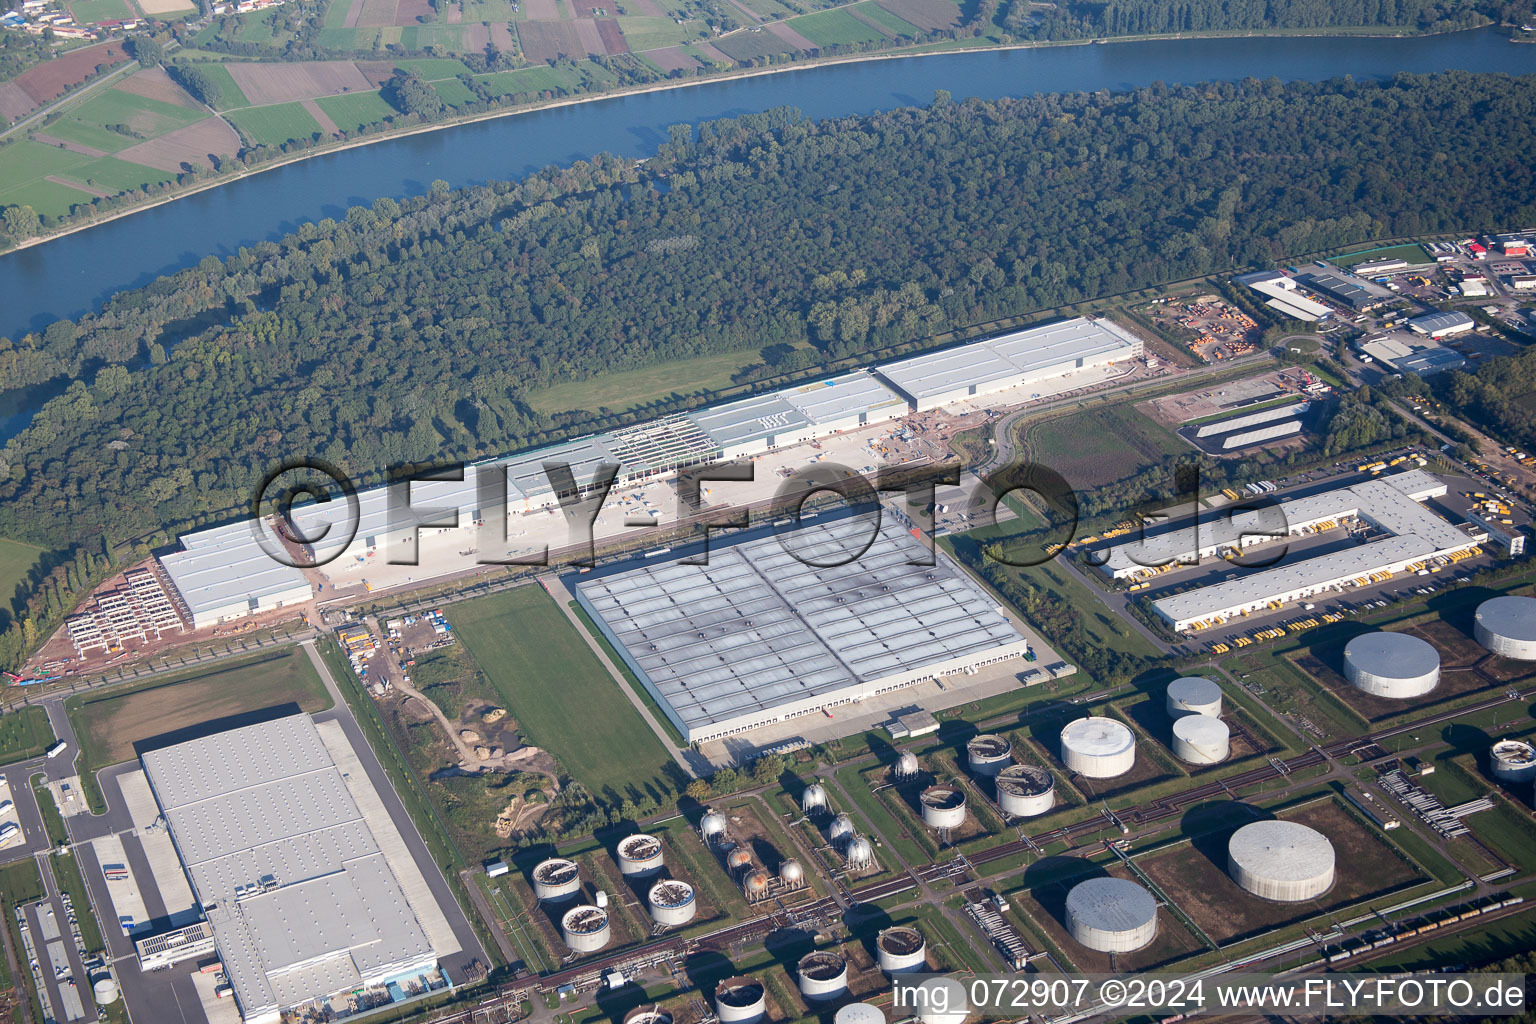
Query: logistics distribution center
x,y
303,901
1402,534
225,574
771,630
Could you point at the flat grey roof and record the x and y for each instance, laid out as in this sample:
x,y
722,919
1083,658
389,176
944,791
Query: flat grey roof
x,y
226,565
749,419
301,899
1009,355
1430,322
757,627
837,398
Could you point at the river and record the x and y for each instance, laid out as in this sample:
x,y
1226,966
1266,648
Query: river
x,y
75,273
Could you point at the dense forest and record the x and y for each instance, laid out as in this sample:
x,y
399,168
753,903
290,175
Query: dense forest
x,y
411,331
1141,17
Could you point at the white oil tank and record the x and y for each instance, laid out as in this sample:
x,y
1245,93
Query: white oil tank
x,y
1201,740
585,928
672,903
640,856
792,874
740,1000
1507,626
755,885
859,1013
907,766
556,879
1513,761
104,990
943,806
1284,861
860,855
1398,666
1098,748
988,754
1193,694
711,825
941,1001
1025,790
1111,915
823,976
647,1015
901,949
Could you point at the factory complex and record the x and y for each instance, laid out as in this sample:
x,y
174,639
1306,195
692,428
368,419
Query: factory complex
x,y
769,630
229,572
304,900
1396,531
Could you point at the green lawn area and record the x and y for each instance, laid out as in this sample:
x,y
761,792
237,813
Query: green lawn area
x,y
230,94
449,37
24,733
109,173
626,389
66,871
145,116
648,33
16,560
274,125
836,26
454,92
108,724
1100,445
352,110
434,69
1411,253
534,79
874,12
89,12
560,694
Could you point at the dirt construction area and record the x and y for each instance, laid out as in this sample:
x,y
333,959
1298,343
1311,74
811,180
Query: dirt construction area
x,y
1231,396
289,83
1195,876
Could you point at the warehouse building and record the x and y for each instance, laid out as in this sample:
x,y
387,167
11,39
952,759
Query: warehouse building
x,y
762,634
1374,268
1360,296
1282,296
1031,356
224,574
1409,536
1408,353
1441,325
302,901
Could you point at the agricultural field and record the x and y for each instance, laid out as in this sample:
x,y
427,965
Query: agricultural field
x,y
523,644
356,109
111,723
825,28
275,125
48,81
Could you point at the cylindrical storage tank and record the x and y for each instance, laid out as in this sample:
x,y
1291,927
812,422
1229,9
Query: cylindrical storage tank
x,y
1099,748
672,903
988,754
104,989
1025,790
1201,740
1193,694
1507,626
640,856
1281,860
711,825
792,874
907,766
1111,915
738,860
860,854
1513,761
740,1001
556,879
822,975
814,798
859,1013
901,950
756,885
943,806
941,1001
585,928
1395,665
647,1015
840,829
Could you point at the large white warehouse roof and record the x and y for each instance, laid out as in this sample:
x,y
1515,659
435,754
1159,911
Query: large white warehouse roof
x,y
1035,353
758,634
301,898
224,573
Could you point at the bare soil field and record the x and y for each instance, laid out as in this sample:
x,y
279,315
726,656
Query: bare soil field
x,y
14,101
648,8
49,81
155,84
476,36
924,13
408,12
154,7
588,36
287,83
321,117
716,55
792,37
373,13
671,58
79,186
376,71
354,12
501,35
1195,876
73,147
190,145
546,40
542,10
612,36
